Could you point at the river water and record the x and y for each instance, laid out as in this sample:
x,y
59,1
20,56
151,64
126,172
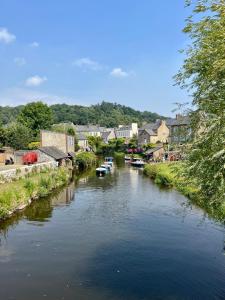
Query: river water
x,y
118,237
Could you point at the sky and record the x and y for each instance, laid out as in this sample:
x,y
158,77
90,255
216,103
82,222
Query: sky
x,y
86,51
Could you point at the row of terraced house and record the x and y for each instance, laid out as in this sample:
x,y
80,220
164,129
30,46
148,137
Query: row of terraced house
x,y
175,130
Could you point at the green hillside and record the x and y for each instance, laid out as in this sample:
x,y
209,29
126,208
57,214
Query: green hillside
x,y
105,114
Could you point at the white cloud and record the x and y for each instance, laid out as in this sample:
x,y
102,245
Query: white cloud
x,y
6,37
20,96
35,80
119,73
20,61
34,45
87,63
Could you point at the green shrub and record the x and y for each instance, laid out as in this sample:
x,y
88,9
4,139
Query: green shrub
x,y
85,160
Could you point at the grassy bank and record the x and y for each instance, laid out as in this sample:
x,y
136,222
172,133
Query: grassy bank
x,y
86,160
18,194
169,175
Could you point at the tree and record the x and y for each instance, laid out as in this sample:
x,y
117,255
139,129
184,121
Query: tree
x,y
95,142
36,116
17,136
203,74
2,136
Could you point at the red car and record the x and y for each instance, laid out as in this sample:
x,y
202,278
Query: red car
x,y
30,158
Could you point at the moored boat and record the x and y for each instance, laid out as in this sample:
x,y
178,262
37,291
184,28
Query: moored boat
x,y
127,159
101,172
138,163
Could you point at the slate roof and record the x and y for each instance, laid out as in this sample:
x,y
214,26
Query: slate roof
x,y
53,152
128,127
81,136
89,128
178,121
152,127
153,150
149,131
105,134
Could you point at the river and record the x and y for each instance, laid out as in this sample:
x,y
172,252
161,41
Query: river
x,y
117,238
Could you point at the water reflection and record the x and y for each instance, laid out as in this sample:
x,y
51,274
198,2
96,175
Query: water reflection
x,y
112,238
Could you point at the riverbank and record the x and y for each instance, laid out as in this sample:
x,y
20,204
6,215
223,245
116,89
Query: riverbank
x,y
16,195
169,175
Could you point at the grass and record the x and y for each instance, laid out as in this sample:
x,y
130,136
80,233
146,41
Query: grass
x,y
18,193
170,175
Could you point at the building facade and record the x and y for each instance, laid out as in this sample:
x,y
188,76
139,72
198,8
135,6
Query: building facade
x,y
154,133
127,131
62,141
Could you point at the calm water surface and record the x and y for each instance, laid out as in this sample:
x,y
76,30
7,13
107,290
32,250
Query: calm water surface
x,y
118,237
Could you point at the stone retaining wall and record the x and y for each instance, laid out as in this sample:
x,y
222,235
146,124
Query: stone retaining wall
x,y
14,174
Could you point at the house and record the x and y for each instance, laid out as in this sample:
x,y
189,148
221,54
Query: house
x,y
180,129
153,133
126,131
62,141
89,130
108,135
82,141
156,153
53,153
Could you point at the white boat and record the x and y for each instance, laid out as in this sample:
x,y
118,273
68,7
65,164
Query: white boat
x,y
138,163
101,171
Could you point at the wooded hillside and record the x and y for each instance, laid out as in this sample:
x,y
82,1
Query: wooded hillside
x,y
105,114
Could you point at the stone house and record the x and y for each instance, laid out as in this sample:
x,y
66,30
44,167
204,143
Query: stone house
x,y
53,153
89,130
126,131
82,141
108,135
156,153
154,133
62,141
180,129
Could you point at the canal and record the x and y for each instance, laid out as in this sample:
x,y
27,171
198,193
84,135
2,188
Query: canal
x,y
118,237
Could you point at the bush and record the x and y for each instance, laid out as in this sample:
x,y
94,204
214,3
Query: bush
x,y
86,160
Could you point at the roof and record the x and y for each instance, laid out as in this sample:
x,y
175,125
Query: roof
x,y
105,134
153,149
182,120
53,152
89,128
81,136
149,131
152,126
125,127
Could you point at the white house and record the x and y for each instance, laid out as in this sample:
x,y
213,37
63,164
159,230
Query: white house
x,y
127,131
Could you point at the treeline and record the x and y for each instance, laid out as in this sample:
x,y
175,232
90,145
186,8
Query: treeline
x,y
104,114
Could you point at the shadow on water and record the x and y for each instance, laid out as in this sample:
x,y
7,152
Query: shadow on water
x,y
130,271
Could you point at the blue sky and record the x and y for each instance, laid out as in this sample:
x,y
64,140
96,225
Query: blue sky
x,y
86,51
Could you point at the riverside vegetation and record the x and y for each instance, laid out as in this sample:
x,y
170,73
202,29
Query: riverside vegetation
x,y
18,194
172,175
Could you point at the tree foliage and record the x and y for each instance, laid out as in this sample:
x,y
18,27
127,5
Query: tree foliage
x,y
17,136
36,116
104,114
203,74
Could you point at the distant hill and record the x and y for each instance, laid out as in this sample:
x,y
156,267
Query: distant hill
x,y
104,114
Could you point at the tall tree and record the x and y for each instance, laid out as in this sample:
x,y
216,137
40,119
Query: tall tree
x,y
36,116
17,136
203,73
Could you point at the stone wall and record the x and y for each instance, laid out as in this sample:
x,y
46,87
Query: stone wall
x,y
62,141
13,174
